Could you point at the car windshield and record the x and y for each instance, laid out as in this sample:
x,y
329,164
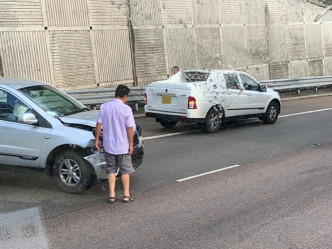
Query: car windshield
x,y
53,101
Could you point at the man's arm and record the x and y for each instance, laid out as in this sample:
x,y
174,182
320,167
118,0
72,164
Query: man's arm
x,y
130,133
99,146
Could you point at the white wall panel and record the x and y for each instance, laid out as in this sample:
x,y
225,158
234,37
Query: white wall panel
x,y
21,13
206,12
149,55
265,37
328,66
327,17
294,11
177,12
310,11
295,41
276,11
25,55
234,47
257,44
231,11
279,70
146,12
180,49
108,12
277,38
313,37
67,13
254,12
298,69
72,59
327,39
259,72
208,48
113,56
315,68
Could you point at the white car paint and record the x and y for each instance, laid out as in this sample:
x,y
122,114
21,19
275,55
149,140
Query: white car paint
x,y
211,88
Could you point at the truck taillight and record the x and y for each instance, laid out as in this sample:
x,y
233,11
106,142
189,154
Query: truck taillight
x,y
192,103
145,98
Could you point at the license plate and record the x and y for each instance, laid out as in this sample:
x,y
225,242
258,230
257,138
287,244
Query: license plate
x,y
166,99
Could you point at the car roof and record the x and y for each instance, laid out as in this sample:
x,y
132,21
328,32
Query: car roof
x,y
19,83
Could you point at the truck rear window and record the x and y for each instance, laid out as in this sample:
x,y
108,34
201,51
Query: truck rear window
x,y
196,76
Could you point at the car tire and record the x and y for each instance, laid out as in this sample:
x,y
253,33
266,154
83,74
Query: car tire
x,y
272,112
74,174
168,124
213,121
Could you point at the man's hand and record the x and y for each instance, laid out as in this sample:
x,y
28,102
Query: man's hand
x,y
130,133
98,144
131,150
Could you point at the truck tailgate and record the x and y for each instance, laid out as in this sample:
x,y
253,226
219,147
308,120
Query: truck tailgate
x,y
168,97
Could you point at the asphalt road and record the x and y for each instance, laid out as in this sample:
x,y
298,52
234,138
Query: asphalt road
x,y
277,195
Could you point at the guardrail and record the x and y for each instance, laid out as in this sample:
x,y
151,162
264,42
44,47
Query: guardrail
x,y
298,84
95,97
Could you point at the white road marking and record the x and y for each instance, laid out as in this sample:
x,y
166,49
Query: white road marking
x,y
207,173
230,167
301,113
167,135
281,116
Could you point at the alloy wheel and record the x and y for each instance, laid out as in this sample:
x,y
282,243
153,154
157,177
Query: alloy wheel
x,y
70,172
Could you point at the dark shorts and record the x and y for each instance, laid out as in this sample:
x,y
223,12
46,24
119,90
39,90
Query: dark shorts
x,y
122,162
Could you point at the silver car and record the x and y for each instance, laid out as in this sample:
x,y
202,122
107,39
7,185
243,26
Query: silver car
x,y
41,127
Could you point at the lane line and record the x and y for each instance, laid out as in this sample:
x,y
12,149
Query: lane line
x,y
281,116
301,113
233,166
207,173
168,135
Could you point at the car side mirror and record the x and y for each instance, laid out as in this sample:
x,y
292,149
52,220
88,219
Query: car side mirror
x,y
29,118
263,88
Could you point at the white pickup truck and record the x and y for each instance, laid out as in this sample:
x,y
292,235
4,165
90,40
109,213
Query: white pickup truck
x,y
209,97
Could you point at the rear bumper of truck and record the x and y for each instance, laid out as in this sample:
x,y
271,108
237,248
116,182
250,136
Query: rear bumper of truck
x,y
170,117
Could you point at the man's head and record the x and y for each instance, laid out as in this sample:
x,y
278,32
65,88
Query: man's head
x,y
121,91
175,69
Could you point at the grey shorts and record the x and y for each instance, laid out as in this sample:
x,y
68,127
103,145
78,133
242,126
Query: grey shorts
x,y
123,162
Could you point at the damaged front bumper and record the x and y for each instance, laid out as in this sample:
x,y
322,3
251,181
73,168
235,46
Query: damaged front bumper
x,y
98,161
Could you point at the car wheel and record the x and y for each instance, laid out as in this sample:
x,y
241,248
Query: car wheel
x,y
74,174
168,124
213,121
271,114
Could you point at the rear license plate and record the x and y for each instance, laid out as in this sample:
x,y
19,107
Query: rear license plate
x,y
166,99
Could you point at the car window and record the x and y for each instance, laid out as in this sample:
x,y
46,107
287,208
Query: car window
x,y
249,83
232,81
53,101
11,108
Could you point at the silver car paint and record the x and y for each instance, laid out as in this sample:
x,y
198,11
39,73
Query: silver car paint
x,y
50,138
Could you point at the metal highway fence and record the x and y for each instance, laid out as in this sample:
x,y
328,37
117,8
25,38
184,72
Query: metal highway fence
x,y
95,97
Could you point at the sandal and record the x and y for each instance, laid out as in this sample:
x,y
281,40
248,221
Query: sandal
x,y
127,199
112,199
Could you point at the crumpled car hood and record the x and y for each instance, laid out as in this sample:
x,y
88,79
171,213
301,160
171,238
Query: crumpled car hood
x,y
88,118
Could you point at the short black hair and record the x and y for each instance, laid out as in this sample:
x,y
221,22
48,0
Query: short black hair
x,y
122,91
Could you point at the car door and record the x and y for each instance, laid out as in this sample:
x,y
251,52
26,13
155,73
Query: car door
x,y
235,104
20,143
255,99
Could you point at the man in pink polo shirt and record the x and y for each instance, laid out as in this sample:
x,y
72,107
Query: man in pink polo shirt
x,y
117,121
